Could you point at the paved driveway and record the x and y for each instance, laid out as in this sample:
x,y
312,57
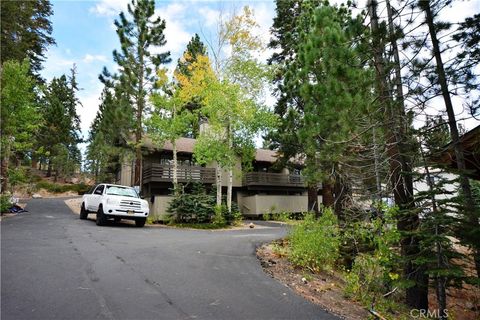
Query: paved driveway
x,y
55,266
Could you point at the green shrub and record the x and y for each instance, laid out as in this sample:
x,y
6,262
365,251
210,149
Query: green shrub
x,y
218,218
17,176
197,206
315,242
374,271
80,188
5,202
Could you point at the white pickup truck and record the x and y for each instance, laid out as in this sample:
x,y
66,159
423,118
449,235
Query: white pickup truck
x,y
114,201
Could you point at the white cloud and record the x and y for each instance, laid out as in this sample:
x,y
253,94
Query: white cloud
x,y
109,7
91,58
209,16
175,32
56,63
88,110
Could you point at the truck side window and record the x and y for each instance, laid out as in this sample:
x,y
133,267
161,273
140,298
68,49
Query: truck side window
x,y
99,189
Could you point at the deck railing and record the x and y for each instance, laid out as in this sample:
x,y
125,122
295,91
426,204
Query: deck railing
x,y
164,173
272,179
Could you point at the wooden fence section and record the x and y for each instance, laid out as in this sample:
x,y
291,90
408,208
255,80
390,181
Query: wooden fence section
x,y
164,173
272,179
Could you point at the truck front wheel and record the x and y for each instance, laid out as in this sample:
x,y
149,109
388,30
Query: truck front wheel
x,y
101,219
140,222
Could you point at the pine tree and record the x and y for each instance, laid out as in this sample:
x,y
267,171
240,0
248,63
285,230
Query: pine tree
x,y
19,117
290,21
108,133
26,31
60,132
138,63
337,90
399,153
195,48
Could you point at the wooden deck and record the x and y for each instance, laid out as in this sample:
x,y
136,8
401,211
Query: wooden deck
x,y
273,179
164,173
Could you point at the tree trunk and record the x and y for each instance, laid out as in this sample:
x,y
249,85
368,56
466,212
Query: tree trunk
x,y
175,168
328,199
49,168
4,174
230,173
138,158
458,148
34,164
341,191
440,281
402,185
229,190
140,99
312,192
219,186
376,159
4,165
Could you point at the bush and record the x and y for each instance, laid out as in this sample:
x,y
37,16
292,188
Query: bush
x,y
315,242
5,202
80,188
197,206
374,271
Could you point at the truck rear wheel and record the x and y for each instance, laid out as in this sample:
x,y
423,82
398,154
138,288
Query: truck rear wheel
x,y
83,212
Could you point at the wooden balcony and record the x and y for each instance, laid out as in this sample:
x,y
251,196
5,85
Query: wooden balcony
x,y
273,179
164,173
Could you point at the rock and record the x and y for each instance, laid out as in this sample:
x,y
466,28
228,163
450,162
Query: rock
x,y
36,196
251,225
304,280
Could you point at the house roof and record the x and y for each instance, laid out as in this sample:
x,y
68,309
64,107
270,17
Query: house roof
x,y
470,142
186,145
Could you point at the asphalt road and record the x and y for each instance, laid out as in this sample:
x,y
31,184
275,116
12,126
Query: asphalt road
x,y
55,266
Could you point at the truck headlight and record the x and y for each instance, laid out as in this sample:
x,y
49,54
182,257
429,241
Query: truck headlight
x,y
112,201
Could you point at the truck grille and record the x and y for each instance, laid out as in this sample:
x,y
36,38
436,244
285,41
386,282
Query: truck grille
x,y
130,204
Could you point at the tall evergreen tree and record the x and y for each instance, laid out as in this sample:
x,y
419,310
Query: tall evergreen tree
x,y
108,133
26,31
290,21
138,63
60,132
335,88
19,116
195,49
399,152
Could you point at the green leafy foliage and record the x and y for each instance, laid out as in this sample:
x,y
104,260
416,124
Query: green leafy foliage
x,y
5,202
26,31
80,188
197,206
315,242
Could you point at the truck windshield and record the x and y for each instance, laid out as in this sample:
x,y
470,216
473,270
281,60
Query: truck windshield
x,y
119,191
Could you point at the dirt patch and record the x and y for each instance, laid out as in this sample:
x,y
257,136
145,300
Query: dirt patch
x,y
322,289
74,204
